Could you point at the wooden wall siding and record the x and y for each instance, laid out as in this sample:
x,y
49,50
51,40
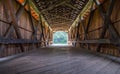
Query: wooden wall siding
x,y
116,16
24,22
107,48
95,24
24,25
2,16
95,29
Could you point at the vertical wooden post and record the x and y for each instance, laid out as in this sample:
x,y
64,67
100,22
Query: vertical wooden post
x,y
34,28
42,31
77,33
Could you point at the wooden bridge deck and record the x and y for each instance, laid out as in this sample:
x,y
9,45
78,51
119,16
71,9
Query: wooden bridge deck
x,y
60,60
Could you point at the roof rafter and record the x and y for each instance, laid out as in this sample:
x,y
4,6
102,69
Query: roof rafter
x,y
57,16
69,5
80,15
54,5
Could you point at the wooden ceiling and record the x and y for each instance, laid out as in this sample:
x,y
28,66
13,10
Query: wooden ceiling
x,y
60,14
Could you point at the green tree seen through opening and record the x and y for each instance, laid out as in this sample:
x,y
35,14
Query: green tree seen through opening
x,y
60,37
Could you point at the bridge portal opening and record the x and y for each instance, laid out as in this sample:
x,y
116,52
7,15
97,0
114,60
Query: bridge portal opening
x,y
60,37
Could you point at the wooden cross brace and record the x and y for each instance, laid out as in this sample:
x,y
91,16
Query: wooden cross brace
x,y
14,21
114,36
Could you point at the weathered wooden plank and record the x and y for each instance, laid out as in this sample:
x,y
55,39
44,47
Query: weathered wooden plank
x,y
109,69
99,41
72,61
18,41
96,67
118,71
60,65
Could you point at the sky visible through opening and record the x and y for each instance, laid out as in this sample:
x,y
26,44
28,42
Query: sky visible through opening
x,y
60,37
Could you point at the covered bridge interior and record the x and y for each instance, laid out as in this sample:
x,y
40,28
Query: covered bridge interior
x,y
26,36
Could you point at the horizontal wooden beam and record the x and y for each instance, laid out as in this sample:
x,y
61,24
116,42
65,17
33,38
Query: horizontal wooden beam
x,y
100,41
19,41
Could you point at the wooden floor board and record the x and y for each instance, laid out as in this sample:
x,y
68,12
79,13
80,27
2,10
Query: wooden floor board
x,y
110,69
53,60
118,71
95,67
61,66
83,66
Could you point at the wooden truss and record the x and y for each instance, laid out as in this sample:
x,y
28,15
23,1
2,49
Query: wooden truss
x,y
13,26
114,37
